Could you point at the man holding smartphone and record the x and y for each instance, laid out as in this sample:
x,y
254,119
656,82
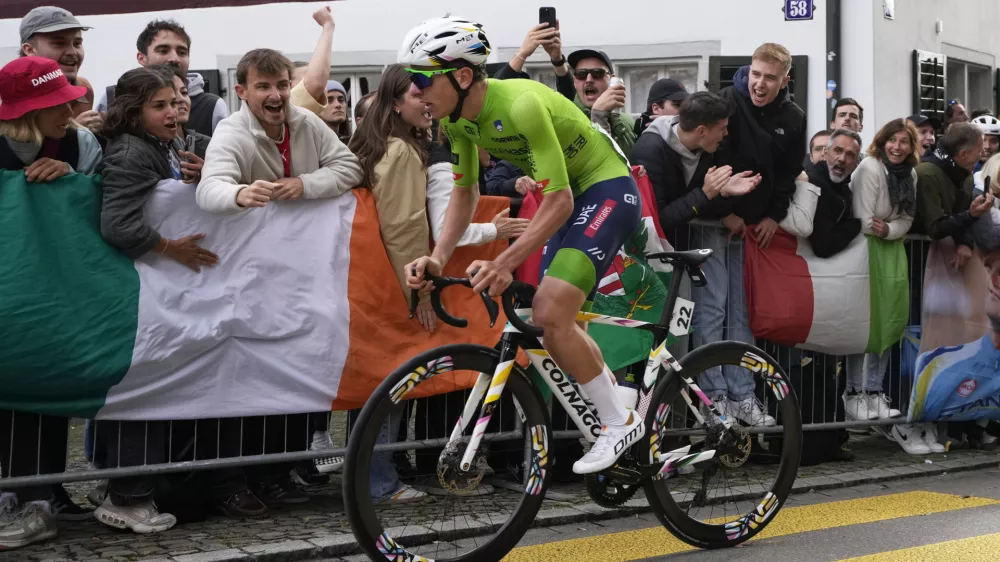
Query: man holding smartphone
x,y
599,98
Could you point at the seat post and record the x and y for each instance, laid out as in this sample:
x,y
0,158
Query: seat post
x,y
672,293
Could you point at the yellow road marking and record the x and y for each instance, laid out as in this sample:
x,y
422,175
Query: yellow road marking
x,y
657,541
975,549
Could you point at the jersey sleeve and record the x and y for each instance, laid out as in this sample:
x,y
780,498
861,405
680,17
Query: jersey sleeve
x,y
535,123
464,156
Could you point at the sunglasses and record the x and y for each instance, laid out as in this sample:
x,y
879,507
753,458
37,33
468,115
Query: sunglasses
x,y
422,78
597,73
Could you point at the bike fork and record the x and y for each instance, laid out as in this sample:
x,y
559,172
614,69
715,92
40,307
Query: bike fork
x,y
496,384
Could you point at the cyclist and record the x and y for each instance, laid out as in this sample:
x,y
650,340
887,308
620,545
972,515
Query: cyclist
x,y
591,203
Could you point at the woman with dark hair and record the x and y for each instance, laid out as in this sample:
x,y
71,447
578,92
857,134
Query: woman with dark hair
x,y
392,148
143,150
195,143
884,188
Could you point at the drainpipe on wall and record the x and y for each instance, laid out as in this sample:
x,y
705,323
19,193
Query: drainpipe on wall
x,y
833,27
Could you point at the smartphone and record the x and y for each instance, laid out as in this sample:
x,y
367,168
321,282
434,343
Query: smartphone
x,y
547,15
189,142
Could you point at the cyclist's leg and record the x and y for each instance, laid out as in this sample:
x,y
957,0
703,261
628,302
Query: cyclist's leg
x,y
603,218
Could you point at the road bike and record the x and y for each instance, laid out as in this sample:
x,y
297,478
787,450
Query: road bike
x,y
707,445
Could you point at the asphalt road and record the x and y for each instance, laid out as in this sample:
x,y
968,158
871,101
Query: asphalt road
x,y
945,518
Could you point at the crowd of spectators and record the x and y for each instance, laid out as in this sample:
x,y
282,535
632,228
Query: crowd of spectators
x,y
734,158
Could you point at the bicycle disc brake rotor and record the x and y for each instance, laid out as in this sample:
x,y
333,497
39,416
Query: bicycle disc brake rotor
x,y
734,446
449,469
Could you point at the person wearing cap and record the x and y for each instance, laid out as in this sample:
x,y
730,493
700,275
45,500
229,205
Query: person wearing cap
x,y
38,138
335,113
36,122
54,33
664,99
599,101
927,128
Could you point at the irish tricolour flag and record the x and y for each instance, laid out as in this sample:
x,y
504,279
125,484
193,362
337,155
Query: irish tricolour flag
x,y
303,312
853,302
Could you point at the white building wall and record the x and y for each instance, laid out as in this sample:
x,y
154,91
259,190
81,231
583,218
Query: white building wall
x,y
372,30
857,62
969,34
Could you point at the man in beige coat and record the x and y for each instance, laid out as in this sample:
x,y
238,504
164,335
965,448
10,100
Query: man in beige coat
x,y
271,150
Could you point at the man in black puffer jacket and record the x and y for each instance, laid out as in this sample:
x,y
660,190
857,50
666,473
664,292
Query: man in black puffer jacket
x,y
766,135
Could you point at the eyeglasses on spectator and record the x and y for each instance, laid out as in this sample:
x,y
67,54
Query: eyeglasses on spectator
x,y
597,73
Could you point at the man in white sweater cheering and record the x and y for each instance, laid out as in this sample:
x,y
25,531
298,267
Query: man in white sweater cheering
x,y
270,150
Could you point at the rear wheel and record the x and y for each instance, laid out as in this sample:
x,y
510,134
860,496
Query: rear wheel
x,y
475,515
730,498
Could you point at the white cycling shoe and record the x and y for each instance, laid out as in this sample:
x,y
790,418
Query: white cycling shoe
x,y
612,443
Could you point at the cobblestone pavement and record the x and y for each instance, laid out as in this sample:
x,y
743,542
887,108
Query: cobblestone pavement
x,y
319,528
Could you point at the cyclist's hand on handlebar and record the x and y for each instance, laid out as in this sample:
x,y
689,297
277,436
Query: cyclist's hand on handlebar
x,y
415,273
490,276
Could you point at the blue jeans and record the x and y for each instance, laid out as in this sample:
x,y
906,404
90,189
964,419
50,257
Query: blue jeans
x,y
720,310
384,479
865,371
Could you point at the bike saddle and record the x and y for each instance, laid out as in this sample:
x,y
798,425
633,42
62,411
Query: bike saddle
x,y
688,258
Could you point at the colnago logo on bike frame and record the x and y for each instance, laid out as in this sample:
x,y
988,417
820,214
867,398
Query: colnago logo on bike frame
x,y
567,391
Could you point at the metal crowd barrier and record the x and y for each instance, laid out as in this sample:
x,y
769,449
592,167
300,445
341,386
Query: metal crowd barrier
x,y
43,450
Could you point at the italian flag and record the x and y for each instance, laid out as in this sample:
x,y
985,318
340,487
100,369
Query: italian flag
x,y
856,301
302,314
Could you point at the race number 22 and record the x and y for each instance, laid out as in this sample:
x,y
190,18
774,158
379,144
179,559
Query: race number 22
x,y
680,322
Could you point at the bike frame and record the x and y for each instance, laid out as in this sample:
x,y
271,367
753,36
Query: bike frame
x,y
573,398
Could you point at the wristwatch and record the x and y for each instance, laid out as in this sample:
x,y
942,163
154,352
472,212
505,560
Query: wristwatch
x,y
560,62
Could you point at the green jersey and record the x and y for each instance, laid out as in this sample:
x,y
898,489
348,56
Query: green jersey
x,y
543,133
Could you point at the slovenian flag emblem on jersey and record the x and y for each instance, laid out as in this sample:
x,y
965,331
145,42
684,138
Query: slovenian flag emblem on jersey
x,y
499,125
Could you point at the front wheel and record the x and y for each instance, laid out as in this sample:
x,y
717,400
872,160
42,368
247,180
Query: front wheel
x,y
475,515
727,500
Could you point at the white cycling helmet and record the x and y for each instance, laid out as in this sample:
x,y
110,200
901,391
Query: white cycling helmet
x,y
989,124
442,41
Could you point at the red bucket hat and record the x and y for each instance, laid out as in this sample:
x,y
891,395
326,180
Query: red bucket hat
x,y
31,83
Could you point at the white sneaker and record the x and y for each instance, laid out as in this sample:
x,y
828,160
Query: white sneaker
x,y
322,442
611,444
858,407
878,404
749,411
142,518
931,438
30,524
911,438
